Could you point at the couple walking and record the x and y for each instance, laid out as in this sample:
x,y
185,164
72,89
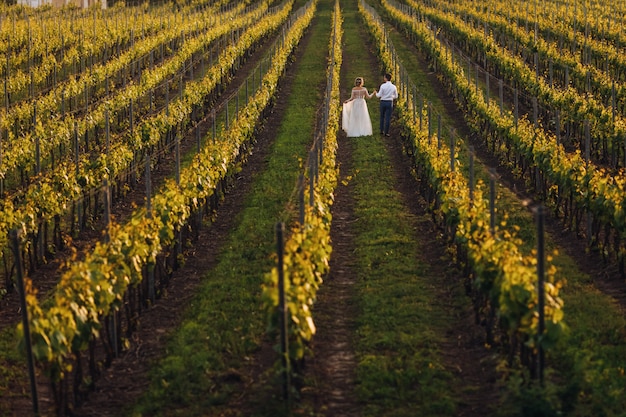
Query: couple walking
x,y
356,119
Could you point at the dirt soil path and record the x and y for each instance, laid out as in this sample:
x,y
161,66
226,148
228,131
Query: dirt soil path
x,y
333,365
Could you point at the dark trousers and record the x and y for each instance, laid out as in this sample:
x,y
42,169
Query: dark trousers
x,y
386,107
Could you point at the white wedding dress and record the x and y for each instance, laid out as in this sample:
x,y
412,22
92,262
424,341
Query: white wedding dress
x,y
355,119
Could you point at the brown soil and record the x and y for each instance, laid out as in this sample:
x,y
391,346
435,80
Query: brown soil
x,y
330,371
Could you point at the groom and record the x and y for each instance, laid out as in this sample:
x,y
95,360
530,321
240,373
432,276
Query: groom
x,y
387,93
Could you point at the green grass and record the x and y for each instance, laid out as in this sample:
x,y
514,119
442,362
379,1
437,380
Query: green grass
x,y
13,367
400,326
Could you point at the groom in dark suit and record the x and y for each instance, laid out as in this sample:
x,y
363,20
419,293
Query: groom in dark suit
x,y
387,93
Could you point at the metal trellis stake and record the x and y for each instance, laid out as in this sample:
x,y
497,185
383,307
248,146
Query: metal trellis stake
x,y
25,323
452,150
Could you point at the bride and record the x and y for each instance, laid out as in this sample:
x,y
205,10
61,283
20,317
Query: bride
x,y
355,118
